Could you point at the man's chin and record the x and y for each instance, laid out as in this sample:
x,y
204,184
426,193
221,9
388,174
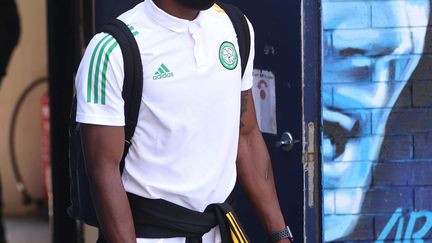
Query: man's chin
x,y
197,4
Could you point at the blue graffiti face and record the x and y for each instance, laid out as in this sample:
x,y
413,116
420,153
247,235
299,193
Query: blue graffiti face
x,y
370,50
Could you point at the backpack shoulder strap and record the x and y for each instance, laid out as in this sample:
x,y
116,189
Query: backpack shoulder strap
x,y
133,76
241,28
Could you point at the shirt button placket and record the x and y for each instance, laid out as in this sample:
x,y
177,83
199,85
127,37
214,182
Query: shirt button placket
x,y
198,46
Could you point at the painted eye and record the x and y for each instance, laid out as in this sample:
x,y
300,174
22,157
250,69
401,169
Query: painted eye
x,y
351,52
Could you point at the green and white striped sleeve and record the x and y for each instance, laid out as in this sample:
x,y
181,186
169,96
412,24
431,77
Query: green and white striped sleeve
x,y
99,83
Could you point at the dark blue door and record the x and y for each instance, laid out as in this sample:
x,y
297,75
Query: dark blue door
x,y
105,10
277,26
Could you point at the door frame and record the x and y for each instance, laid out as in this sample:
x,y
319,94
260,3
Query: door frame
x,y
311,95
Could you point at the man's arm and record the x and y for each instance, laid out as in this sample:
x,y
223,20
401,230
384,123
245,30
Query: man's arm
x,y
103,149
255,170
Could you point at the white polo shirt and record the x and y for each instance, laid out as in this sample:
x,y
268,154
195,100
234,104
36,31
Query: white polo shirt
x,y
185,144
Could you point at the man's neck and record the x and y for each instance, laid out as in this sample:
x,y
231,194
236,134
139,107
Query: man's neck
x,y
175,9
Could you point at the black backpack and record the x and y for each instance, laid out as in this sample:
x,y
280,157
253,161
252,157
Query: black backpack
x,y
81,207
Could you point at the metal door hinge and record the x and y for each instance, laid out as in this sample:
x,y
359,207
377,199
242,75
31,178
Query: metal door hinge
x,y
310,160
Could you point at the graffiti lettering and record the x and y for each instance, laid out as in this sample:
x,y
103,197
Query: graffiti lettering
x,y
424,217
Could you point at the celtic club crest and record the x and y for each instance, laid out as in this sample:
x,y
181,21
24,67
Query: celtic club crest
x,y
228,55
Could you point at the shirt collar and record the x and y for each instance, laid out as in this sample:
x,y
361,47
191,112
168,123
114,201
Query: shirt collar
x,y
171,22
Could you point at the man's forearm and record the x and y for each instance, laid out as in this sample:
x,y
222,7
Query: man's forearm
x,y
112,206
255,175
103,149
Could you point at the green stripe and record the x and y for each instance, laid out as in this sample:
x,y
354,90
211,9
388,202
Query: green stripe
x,y
165,68
160,70
105,66
89,78
96,85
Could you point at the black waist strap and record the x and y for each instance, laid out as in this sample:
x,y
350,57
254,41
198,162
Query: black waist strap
x,y
158,218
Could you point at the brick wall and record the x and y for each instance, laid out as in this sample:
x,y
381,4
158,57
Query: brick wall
x,y
377,110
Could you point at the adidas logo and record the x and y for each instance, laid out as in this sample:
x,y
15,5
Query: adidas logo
x,y
163,72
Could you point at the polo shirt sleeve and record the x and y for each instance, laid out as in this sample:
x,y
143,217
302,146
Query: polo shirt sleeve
x,y
99,83
247,80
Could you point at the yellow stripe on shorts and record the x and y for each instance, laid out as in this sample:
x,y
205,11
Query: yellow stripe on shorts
x,y
237,230
234,237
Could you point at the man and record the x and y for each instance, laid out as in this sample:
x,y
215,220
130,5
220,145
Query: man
x,y
187,148
365,69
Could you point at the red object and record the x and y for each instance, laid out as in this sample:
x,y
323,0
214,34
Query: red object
x,y
262,84
46,147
